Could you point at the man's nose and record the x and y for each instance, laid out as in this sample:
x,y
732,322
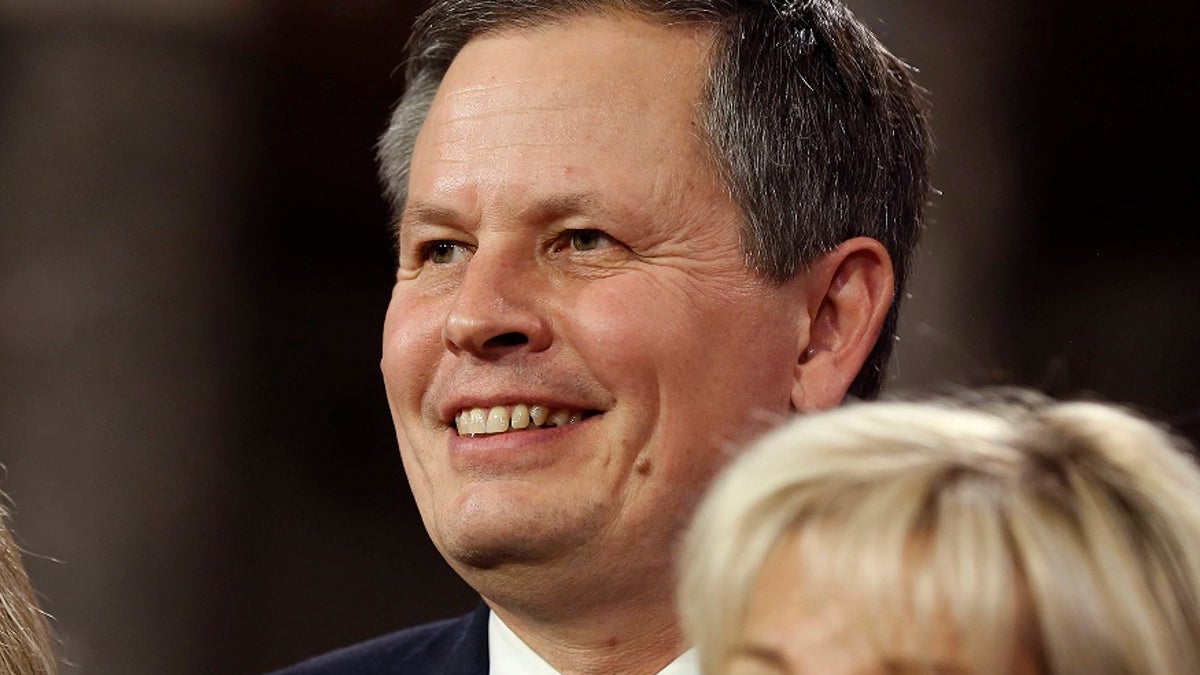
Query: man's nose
x,y
498,308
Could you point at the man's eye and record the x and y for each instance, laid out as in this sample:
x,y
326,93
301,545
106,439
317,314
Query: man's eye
x,y
589,240
444,252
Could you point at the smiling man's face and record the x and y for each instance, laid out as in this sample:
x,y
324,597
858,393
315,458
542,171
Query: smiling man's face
x,y
567,250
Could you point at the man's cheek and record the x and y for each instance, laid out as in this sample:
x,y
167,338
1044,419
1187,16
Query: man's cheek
x,y
624,317
412,326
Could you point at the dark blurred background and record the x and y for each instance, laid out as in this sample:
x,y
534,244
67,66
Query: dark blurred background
x,y
195,263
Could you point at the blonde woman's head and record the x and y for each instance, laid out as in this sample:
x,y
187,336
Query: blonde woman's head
x,y
993,532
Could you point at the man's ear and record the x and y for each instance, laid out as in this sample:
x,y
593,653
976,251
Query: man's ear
x,y
850,290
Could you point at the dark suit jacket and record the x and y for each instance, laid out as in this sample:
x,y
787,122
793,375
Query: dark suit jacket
x,y
449,647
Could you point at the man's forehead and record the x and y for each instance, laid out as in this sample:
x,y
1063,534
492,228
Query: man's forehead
x,y
596,67
466,97
633,60
596,101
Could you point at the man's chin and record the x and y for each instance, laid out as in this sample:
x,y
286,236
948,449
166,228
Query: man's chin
x,y
487,524
490,556
488,546
488,551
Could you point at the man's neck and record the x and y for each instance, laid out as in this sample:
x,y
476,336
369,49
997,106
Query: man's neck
x,y
641,641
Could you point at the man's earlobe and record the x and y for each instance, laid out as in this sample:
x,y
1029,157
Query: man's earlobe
x,y
851,288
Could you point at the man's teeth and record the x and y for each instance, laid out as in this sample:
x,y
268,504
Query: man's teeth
x,y
499,419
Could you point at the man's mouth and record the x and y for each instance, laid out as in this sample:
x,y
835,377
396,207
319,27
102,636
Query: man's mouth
x,y
507,418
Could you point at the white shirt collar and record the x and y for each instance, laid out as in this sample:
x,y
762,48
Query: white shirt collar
x,y
509,655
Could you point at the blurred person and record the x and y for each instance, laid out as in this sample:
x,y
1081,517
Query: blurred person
x,y
26,643
630,234
992,532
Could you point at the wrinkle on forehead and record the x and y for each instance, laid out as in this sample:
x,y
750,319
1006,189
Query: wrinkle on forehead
x,y
553,112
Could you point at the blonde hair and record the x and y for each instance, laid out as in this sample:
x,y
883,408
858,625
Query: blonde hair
x,y
1071,528
26,645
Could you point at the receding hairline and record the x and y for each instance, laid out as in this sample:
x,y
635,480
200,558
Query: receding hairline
x,y
429,48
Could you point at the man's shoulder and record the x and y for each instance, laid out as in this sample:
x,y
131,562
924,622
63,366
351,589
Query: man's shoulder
x,y
455,646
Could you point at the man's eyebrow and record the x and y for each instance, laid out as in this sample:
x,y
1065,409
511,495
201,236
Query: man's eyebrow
x,y
553,207
428,213
565,205
764,655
